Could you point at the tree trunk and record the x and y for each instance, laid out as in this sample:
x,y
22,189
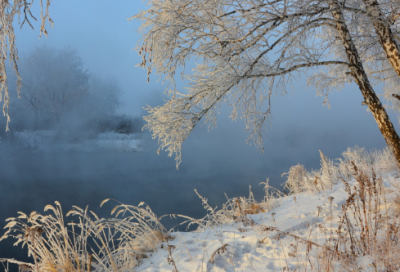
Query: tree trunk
x,y
360,77
385,35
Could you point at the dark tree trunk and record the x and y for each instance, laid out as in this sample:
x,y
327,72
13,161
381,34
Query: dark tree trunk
x,y
385,35
357,71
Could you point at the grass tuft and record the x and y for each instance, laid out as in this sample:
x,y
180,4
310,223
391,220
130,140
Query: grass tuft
x,y
366,227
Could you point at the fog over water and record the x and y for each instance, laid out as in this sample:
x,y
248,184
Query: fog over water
x,y
214,162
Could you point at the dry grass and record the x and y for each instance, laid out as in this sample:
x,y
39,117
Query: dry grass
x,y
368,225
89,243
366,229
331,172
218,251
236,209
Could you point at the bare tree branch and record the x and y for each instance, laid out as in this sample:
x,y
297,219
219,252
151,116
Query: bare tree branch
x,y
9,9
248,50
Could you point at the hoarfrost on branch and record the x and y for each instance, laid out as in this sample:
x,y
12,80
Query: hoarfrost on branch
x,y
246,52
9,11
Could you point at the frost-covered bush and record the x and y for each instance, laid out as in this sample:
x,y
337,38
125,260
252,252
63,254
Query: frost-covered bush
x,y
379,161
297,179
59,93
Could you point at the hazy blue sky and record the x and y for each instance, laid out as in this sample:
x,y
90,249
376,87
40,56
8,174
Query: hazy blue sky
x,y
99,29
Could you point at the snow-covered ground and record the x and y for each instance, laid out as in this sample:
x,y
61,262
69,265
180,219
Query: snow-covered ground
x,y
50,140
344,217
255,244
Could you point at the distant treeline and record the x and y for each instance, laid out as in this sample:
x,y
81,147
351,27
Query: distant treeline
x,y
58,93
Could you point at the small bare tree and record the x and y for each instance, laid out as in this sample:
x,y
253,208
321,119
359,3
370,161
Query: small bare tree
x,y
9,11
250,49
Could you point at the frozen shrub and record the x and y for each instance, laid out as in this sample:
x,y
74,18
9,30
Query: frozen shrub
x,y
378,161
296,179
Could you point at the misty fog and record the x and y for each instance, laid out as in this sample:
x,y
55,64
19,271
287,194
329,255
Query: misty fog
x,y
62,167
76,134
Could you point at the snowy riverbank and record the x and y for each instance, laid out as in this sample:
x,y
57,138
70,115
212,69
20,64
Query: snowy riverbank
x,y
275,240
342,217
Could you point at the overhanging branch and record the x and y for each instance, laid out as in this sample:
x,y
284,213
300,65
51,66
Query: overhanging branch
x,y
296,67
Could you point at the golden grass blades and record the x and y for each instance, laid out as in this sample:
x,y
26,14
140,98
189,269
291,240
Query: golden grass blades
x,y
88,243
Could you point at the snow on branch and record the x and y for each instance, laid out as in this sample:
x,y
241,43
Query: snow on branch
x,y
9,10
246,51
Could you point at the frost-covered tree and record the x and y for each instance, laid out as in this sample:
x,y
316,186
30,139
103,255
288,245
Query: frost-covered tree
x,y
247,50
98,109
59,93
10,12
103,98
54,82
